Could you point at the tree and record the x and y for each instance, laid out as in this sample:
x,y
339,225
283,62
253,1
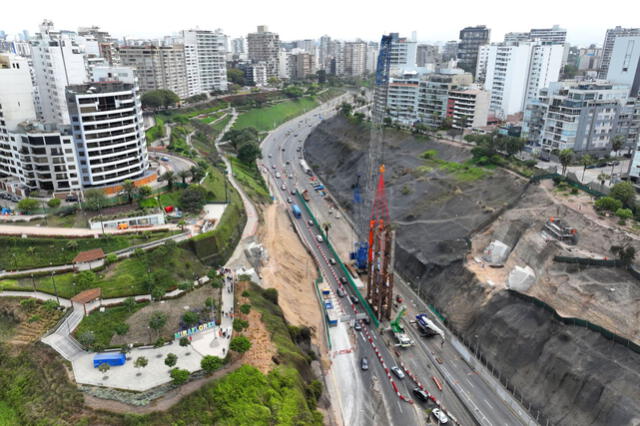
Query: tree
x,y
184,342
157,321
179,376
86,279
569,71
54,202
245,308
273,81
152,99
104,367
129,303
566,155
240,324
111,258
87,338
513,145
184,175
72,245
94,199
608,203
625,192
129,188
625,253
346,109
171,360
140,362
249,152
190,318
322,76
240,344
271,294
27,205
617,142
193,198
602,177
236,76
144,191
586,161
293,92
624,214
197,173
169,177
125,349
210,363
158,292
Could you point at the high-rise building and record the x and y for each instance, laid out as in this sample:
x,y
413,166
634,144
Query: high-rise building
x,y
554,35
205,65
158,67
302,65
403,55
468,108
515,73
108,132
337,60
372,58
450,51
16,90
624,63
355,57
609,41
471,38
324,53
434,94
58,62
263,46
427,54
106,44
239,46
284,65
589,59
578,115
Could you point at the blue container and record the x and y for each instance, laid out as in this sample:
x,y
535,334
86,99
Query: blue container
x,y
111,358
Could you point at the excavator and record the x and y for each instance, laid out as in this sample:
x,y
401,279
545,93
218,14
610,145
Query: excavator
x,y
402,339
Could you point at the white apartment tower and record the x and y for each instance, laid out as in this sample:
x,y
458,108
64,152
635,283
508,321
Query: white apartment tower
x,y
355,58
58,62
515,73
609,42
16,90
624,63
263,46
204,54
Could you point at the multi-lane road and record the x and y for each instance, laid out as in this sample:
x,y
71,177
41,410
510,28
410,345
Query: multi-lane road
x,y
369,397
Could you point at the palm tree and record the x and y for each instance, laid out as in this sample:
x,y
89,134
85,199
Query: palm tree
x,y
603,177
141,362
586,161
617,142
566,155
129,188
184,175
169,177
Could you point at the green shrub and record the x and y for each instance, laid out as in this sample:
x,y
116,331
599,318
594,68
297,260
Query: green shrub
x,y
608,204
240,344
271,294
245,309
240,324
54,202
210,363
179,376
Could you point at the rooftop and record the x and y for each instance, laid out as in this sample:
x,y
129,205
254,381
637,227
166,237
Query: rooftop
x,y
87,295
89,256
101,87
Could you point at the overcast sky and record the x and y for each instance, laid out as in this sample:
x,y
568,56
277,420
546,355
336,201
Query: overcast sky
x,y
434,20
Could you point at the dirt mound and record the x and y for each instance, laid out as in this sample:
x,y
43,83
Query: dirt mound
x,y
572,374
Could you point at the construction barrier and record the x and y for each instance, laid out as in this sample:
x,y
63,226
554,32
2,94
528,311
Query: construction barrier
x,y
429,395
588,261
324,317
569,182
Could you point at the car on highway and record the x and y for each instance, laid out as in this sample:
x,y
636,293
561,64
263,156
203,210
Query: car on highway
x,y
283,149
319,238
293,192
354,300
440,416
364,363
420,394
332,261
278,175
270,155
310,222
341,292
273,166
290,176
164,158
343,280
289,200
357,326
287,163
398,372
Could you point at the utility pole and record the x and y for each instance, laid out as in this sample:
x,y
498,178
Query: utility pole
x,y
53,280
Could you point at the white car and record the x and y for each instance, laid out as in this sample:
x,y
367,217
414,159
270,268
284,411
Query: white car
x,y
440,416
398,372
319,238
278,175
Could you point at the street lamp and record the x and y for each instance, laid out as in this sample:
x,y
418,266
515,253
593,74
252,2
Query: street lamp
x,y
53,280
33,283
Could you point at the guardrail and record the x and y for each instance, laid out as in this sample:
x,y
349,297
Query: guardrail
x,y
347,274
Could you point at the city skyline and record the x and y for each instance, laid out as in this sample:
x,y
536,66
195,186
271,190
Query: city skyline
x,y
353,20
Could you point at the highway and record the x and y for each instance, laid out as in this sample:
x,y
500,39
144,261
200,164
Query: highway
x,y
465,394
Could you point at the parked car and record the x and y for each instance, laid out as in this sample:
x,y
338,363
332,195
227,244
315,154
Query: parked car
x,y
278,175
71,198
420,394
440,416
364,363
398,372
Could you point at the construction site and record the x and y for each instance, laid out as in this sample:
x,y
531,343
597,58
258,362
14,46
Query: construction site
x,y
490,253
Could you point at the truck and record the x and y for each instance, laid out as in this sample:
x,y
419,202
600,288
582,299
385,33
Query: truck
x,y
305,167
402,339
296,211
428,327
332,317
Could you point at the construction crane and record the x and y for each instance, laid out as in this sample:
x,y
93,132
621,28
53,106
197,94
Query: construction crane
x,y
402,339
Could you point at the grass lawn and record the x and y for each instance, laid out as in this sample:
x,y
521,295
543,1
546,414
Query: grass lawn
x,y
220,125
125,278
467,171
103,324
268,118
214,182
156,131
25,253
213,117
251,180
7,415
331,93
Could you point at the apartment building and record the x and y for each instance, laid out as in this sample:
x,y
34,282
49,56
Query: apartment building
x,y
624,63
355,58
516,72
58,61
471,38
427,54
255,73
205,61
402,98
324,53
302,65
433,96
468,108
108,132
450,51
589,59
158,67
609,42
578,115
16,90
284,65
264,46
107,48
372,58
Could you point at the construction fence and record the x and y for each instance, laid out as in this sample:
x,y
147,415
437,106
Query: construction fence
x,y
589,261
573,183
347,274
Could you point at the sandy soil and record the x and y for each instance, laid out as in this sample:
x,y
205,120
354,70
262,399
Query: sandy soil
x,y
292,272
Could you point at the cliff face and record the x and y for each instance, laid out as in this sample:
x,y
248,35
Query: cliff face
x,y
574,375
